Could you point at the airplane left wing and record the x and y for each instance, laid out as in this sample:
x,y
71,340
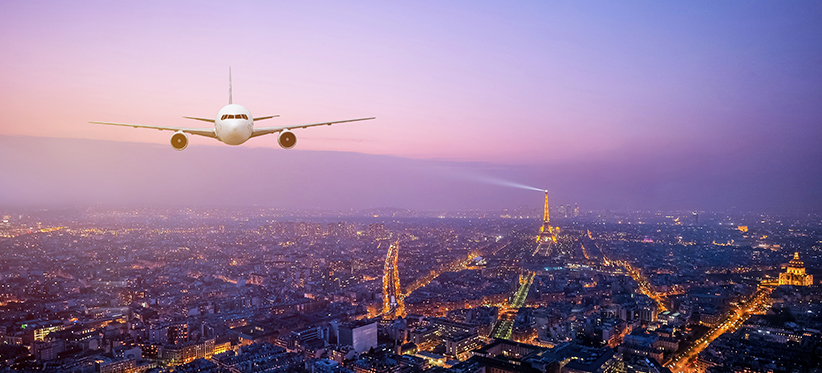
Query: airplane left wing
x,y
201,119
266,117
207,132
269,130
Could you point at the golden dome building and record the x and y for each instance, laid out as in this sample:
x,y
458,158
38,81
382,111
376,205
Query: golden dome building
x,y
795,273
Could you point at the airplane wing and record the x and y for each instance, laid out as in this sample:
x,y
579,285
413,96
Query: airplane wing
x,y
269,130
202,119
207,132
267,117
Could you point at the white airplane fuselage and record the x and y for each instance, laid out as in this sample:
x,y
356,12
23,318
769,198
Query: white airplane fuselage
x,y
233,124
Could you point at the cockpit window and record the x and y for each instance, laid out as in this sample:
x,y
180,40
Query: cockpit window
x,y
244,116
224,116
233,116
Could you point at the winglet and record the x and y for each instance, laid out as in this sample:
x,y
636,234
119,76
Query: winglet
x,y
229,85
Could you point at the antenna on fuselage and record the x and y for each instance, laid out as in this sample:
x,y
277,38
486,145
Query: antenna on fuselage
x,y
229,85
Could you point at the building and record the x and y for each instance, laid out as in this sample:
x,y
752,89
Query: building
x,y
795,273
447,327
47,350
106,365
251,334
458,345
328,366
307,334
362,334
504,356
38,331
424,336
184,353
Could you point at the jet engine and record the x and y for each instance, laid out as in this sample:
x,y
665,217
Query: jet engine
x,y
287,139
179,140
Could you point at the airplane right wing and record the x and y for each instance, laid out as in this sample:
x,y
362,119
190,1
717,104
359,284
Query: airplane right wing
x,y
207,132
268,130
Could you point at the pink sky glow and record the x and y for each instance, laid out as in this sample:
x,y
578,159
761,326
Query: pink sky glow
x,y
530,83
464,81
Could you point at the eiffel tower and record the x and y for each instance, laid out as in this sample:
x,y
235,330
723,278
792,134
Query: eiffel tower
x,y
546,238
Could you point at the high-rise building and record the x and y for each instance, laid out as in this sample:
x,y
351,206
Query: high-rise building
x,y
328,279
361,334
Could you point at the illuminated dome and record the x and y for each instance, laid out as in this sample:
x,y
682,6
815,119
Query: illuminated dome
x,y
795,273
795,262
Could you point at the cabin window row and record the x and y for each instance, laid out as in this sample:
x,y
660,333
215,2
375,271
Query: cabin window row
x,y
234,116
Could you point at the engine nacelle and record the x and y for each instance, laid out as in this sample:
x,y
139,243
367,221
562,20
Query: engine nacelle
x,y
287,139
179,140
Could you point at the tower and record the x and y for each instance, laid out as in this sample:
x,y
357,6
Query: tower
x,y
547,216
546,232
393,303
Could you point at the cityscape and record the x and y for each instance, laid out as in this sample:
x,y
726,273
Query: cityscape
x,y
539,186
542,289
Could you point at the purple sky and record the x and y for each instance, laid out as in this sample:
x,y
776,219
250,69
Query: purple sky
x,y
597,101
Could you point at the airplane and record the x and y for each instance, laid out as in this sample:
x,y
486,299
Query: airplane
x,y
233,125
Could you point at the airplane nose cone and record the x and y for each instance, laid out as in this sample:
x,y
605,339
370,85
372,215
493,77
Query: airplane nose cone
x,y
235,132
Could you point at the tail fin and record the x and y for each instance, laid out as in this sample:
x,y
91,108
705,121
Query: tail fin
x,y
229,85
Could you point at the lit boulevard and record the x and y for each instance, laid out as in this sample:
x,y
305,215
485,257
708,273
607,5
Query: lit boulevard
x,y
393,299
685,360
644,286
455,266
506,322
